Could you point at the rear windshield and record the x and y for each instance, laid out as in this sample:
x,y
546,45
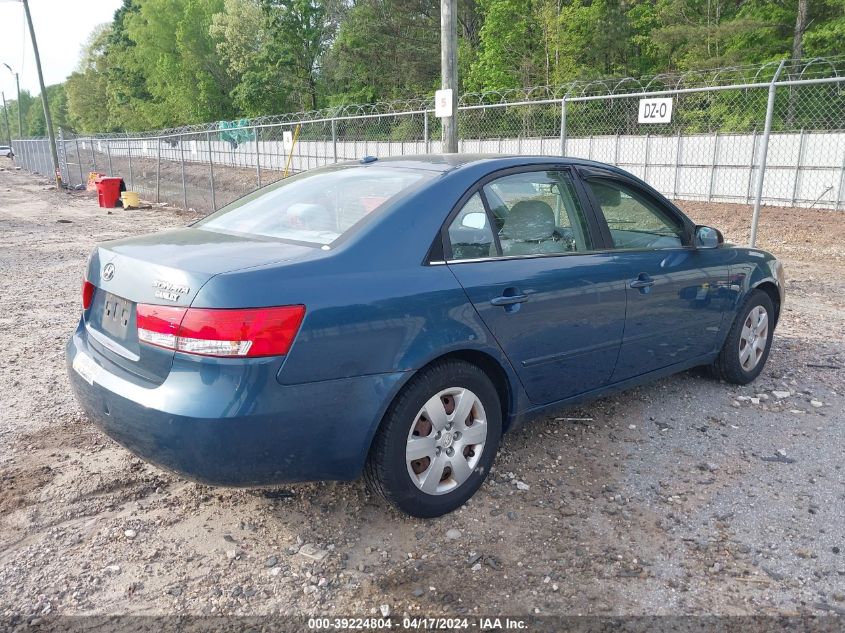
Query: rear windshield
x,y
315,206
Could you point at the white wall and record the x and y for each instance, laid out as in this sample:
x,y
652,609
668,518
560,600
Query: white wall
x,y
802,169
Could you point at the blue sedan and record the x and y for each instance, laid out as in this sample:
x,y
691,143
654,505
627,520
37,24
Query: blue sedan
x,y
395,317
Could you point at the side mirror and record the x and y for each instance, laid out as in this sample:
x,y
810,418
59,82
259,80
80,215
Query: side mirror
x,y
474,220
708,237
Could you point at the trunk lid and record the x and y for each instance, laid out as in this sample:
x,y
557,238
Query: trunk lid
x,y
169,269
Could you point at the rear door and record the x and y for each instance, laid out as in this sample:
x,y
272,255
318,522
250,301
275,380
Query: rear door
x,y
674,308
522,247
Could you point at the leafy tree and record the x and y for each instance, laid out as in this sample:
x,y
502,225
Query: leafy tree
x,y
87,88
163,63
509,46
385,49
57,99
299,35
27,103
179,61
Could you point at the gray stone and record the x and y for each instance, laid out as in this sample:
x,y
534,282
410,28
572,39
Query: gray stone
x,y
309,550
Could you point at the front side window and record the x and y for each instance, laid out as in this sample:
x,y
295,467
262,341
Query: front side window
x,y
537,213
634,221
316,206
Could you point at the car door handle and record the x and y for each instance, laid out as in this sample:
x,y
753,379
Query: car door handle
x,y
642,281
507,300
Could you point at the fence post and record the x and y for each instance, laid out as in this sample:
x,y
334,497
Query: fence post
x,y
563,126
751,166
764,150
713,165
211,172
677,166
93,157
158,172
334,139
426,146
840,195
616,151
798,165
108,154
257,157
647,144
129,152
61,156
78,160
182,163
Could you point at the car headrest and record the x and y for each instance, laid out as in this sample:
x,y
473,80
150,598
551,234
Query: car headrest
x,y
529,220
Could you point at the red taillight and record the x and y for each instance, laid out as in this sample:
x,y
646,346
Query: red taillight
x,y
87,294
220,332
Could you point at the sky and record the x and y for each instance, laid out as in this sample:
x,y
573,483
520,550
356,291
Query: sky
x,y
61,28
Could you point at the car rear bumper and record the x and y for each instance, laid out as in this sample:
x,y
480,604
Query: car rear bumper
x,y
227,423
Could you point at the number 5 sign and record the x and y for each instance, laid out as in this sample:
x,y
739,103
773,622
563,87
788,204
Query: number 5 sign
x,y
655,110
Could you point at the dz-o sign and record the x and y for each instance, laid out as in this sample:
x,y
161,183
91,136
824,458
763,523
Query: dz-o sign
x,y
655,110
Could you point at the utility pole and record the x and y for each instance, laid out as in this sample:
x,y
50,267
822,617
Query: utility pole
x,y
20,110
47,117
6,116
449,70
20,116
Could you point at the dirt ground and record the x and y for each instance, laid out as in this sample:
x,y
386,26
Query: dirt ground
x,y
683,497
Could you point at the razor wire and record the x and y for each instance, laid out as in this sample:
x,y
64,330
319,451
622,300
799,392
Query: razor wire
x,y
710,150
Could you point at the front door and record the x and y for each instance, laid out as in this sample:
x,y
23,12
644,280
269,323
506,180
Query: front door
x,y
522,248
674,310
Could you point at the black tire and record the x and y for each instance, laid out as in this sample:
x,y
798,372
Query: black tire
x,y
387,472
727,365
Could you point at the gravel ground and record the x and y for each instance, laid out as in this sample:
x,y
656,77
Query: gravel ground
x,y
683,497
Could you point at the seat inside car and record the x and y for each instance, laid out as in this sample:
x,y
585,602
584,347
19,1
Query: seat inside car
x,y
529,229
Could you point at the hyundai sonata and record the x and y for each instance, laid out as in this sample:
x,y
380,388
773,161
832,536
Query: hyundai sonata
x,y
395,317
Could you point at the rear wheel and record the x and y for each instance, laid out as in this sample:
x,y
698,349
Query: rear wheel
x,y
437,441
747,346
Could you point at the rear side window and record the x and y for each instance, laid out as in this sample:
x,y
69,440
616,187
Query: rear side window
x,y
316,206
470,234
538,213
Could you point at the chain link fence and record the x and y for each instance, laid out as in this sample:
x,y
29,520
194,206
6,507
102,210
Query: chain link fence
x,y
773,134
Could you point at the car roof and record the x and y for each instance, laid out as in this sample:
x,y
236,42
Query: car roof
x,y
450,162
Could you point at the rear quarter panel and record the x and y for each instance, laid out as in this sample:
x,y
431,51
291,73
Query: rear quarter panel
x,y
373,304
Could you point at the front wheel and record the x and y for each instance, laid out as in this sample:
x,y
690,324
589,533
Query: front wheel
x,y
437,441
747,346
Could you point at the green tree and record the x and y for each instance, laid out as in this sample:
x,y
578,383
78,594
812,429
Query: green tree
x,y
179,61
299,35
87,88
242,37
57,100
385,49
510,46
27,102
